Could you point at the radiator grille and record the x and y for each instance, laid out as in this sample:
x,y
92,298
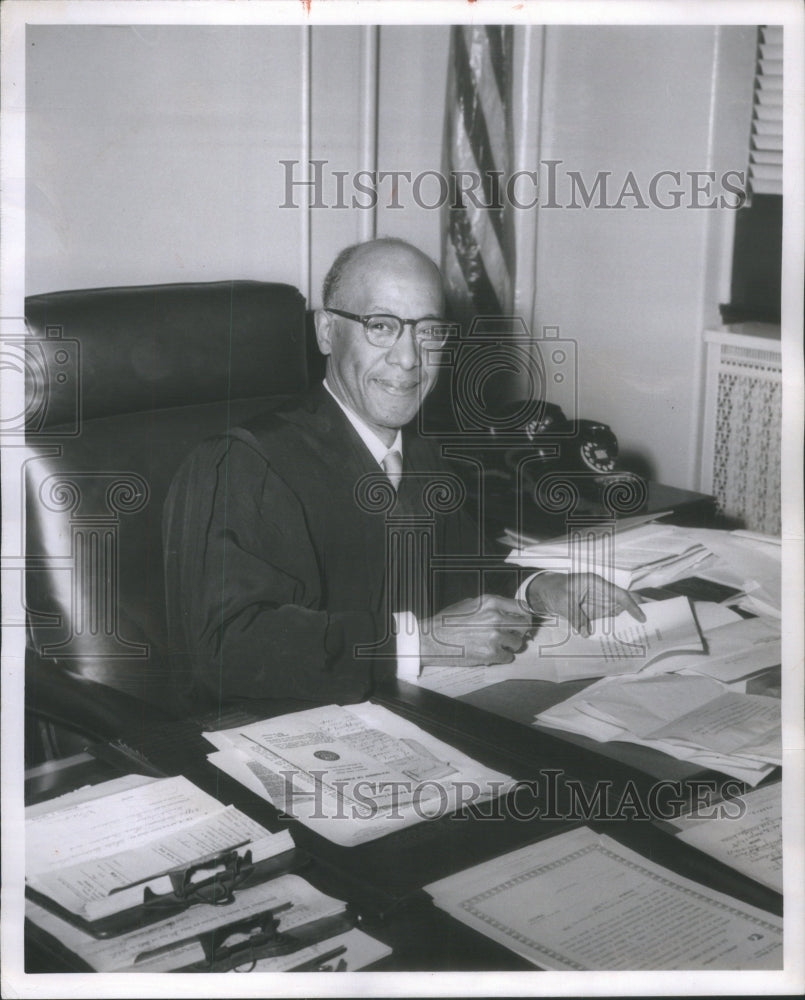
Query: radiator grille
x,y
742,434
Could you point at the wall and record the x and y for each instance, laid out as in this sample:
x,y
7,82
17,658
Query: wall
x,y
153,153
635,287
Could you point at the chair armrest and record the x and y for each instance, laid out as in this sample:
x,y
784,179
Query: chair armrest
x,y
57,695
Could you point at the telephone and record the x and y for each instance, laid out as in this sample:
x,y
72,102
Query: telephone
x,y
544,441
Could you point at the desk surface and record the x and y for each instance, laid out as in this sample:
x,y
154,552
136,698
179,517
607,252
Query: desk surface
x,y
383,879
501,510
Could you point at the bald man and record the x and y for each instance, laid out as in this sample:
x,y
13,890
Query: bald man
x,y
284,578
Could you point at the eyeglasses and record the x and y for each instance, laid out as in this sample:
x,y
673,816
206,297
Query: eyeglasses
x,y
383,330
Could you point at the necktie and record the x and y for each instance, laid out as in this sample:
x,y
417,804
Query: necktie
x,y
392,466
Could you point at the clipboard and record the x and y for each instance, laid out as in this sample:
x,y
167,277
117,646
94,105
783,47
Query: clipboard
x,y
211,882
241,943
261,938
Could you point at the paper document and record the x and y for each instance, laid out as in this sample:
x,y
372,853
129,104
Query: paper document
x,y
619,645
94,855
691,717
530,666
734,651
173,943
624,557
352,773
580,901
752,843
88,792
745,561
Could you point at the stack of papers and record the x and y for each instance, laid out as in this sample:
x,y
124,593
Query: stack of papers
x,y
711,639
354,773
620,645
95,852
581,902
176,943
123,847
690,717
736,648
633,553
745,834
746,560
627,554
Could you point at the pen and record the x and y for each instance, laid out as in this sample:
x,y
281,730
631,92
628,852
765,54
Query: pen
x,y
314,964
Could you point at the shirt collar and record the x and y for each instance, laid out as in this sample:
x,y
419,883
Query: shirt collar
x,y
368,436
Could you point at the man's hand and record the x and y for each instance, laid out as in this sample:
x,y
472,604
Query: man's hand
x,y
476,632
580,597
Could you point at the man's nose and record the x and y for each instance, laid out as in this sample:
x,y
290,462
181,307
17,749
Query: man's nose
x,y
405,351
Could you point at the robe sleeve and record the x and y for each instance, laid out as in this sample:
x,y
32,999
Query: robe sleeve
x,y
244,590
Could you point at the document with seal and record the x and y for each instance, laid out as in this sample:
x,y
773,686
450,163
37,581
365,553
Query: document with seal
x,y
582,902
353,773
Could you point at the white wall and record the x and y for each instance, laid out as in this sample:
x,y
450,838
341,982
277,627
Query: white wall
x,y
634,287
153,155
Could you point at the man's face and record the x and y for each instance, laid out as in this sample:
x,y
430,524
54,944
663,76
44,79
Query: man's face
x,y
384,386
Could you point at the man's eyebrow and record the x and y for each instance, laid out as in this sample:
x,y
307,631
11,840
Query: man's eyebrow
x,y
383,311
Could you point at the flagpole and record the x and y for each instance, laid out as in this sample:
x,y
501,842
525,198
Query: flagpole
x,y
370,40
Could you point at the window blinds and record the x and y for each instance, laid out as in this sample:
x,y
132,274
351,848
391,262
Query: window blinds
x,y
766,144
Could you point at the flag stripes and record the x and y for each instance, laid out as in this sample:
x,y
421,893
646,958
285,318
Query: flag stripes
x,y
478,246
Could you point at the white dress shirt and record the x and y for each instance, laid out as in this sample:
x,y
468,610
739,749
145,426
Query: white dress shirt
x,y
406,627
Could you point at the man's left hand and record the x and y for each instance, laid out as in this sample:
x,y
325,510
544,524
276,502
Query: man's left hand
x,y
580,598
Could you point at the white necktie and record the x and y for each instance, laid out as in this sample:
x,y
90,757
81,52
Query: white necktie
x,y
392,466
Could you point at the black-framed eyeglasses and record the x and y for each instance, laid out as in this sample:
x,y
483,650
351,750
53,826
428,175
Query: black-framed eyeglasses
x,y
384,330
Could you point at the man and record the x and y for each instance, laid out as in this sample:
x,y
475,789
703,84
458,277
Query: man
x,y
291,574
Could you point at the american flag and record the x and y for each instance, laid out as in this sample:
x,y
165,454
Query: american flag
x,y
478,248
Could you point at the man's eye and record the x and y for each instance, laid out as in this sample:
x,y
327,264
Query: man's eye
x,y
380,326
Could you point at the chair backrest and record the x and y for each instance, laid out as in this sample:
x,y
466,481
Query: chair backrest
x,y
121,384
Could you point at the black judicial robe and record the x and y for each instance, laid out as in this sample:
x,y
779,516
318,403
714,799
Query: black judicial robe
x,y
286,552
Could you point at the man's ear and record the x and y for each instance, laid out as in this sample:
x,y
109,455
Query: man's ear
x,y
324,330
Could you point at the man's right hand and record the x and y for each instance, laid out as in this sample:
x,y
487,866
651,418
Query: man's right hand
x,y
476,632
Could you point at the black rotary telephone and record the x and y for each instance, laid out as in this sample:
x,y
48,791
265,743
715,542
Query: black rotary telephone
x,y
523,440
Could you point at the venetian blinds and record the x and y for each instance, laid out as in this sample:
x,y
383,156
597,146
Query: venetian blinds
x,y
766,146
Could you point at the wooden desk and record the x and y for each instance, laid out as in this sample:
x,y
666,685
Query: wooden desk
x,y
383,879
501,509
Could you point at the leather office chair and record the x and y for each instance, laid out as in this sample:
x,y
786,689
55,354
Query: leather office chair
x,y
121,383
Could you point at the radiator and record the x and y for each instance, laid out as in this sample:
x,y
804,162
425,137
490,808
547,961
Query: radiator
x,y
742,426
